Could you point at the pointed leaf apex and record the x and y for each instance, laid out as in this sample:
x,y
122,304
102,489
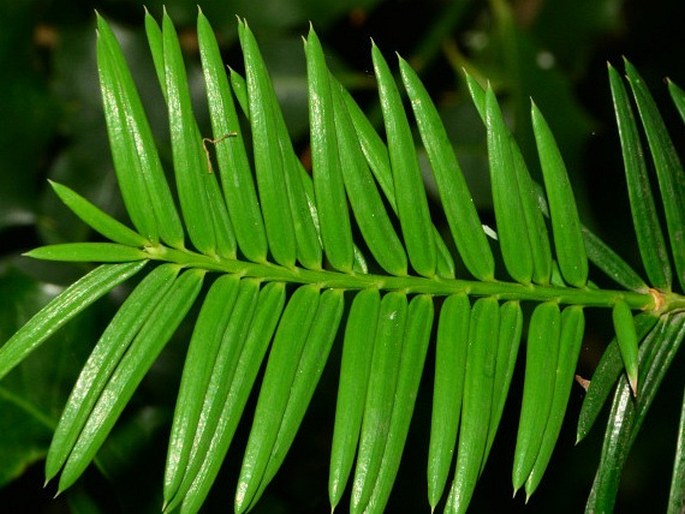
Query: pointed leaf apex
x,y
633,384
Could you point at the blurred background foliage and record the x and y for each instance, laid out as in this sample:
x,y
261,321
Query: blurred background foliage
x,y
51,127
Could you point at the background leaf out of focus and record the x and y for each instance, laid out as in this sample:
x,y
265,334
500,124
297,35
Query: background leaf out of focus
x,y
51,127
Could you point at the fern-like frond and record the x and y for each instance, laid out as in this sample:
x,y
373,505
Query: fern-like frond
x,y
290,257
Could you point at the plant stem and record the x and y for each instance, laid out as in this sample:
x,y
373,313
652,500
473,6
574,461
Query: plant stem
x,y
413,284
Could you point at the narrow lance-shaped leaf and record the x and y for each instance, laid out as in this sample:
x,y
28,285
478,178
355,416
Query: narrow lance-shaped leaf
x,y
87,252
130,371
511,227
199,363
669,170
542,351
572,327
273,398
626,336
676,498
650,239
362,192
234,167
104,359
456,199
611,263
326,169
355,369
139,171
450,368
568,238
203,208
414,347
412,205
268,310
477,403
678,96
268,162
61,309
380,397
97,219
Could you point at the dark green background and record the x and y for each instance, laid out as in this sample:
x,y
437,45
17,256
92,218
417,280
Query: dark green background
x,y
51,126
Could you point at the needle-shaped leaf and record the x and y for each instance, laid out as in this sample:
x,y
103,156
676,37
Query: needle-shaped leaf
x,y
477,403
626,335
280,374
650,239
103,361
412,205
542,352
669,170
329,188
139,171
676,498
627,414
450,368
362,192
355,368
414,346
568,238
605,376
229,144
512,232
205,464
142,352
380,397
97,219
572,328
87,252
203,207
202,353
376,155
456,198
61,309
611,263
678,97
268,162
510,327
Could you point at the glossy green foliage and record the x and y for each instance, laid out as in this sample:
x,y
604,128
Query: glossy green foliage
x,y
280,258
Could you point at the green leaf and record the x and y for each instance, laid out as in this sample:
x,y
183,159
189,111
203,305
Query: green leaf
x,y
412,206
626,335
68,304
355,369
456,199
274,395
139,171
572,328
477,403
542,352
268,162
605,376
509,213
234,167
450,369
669,170
331,201
362,193
414,346
676,499
143,351
203,208
88,252
98,220
205,344
610,263
568,238
678,97
627,414
380,397
204,465
650,239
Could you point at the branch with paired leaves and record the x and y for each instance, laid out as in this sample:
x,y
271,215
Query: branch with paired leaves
x,y
289,257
